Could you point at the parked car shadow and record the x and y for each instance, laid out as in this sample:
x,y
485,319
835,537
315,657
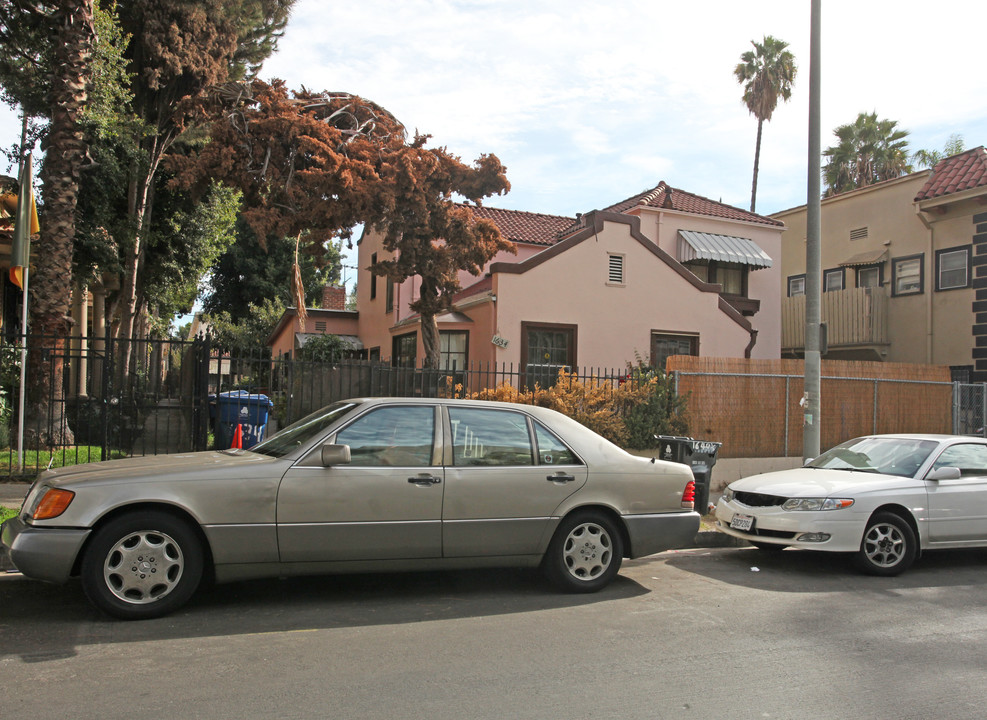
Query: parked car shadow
x,y
43,622
805,571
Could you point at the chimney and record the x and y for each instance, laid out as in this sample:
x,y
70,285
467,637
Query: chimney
x,y
334,297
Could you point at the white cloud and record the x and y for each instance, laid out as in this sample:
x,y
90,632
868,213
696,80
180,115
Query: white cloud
x,y
589,102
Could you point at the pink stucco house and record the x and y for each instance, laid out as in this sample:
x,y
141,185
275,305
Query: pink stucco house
x,y
665,272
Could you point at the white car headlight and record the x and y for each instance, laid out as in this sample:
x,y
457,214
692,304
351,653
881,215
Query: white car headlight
x,y
816,503
728,495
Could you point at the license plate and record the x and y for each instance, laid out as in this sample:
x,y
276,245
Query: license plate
x,y
742,522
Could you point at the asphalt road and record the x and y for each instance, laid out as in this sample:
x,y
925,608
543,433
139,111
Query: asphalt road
x,y
730,633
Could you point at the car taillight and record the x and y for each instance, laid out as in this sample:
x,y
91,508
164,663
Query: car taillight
x,y
689,495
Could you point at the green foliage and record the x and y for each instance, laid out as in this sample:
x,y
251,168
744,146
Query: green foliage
x,y
38,460
247,273
108,108
248,336
657,410
869,150
186,244
326,348
930,158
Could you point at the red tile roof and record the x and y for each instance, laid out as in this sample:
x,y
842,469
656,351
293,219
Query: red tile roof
x,y
956,173
665,196
525,227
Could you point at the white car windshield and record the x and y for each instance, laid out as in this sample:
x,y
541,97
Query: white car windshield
x,y
304,431
889,456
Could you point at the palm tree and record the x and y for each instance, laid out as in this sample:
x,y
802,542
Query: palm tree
x,y
869,150
767,73
931,158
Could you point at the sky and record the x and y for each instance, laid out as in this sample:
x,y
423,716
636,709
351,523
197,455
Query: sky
x,y
588,103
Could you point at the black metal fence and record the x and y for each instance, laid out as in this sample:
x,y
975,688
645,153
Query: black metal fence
x,y
179,396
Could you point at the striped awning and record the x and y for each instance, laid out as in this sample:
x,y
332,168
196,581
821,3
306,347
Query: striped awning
x,y
722,248
871,257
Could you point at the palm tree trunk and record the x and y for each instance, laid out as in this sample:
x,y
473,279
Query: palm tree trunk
x,y
757,160
51,279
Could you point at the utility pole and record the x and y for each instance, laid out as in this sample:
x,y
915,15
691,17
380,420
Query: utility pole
x,y
813,253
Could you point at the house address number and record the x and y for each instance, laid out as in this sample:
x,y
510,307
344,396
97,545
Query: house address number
x,y
499,341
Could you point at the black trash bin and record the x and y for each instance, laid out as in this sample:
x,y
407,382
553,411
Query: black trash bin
x,y
700,455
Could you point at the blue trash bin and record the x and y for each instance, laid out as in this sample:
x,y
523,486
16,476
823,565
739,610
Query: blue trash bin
x,y
243,408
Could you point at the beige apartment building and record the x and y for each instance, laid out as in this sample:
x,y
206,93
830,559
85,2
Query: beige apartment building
x,y
903,270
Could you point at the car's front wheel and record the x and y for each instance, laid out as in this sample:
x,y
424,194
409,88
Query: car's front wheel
x,y
888,546
142,565
585,553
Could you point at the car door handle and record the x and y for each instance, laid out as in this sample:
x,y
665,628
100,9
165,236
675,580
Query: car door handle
x,y
425,479
561,478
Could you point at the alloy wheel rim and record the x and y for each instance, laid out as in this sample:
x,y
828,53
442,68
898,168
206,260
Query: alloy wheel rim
x,y
587,551
884,545
143,567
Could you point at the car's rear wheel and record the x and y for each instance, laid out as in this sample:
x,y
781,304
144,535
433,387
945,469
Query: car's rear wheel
x,y
142,565
585,553
888,546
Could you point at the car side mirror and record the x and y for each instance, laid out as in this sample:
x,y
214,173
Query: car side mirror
x,y
335,454
944,473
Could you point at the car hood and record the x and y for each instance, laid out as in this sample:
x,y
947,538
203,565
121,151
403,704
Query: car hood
x,y
818,482
154,467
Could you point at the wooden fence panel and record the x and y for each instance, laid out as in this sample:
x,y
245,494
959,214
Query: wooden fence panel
x,y
753,406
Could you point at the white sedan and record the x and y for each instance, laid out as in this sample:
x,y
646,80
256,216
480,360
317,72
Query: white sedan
x,y
885,498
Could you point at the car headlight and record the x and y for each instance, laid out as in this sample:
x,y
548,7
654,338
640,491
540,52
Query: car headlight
x,y
816,503
728,495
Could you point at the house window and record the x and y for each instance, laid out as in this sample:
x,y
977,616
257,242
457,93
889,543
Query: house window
x,y
373,277
906,275
664,346
833,280
452,349
868,277
547,349
389,297
796,285
615,269
405,351
953,268
732,276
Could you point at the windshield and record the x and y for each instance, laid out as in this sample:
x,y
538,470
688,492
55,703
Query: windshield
x,y
890,456
304,431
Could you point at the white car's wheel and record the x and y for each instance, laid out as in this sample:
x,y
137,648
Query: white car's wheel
x,y
142,565
888,546
585,553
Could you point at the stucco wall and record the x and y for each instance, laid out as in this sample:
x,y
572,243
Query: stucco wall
x,y
933,327
662,226
614,322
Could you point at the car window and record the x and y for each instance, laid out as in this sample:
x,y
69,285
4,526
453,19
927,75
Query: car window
x,y
551,450
489,437
970,458
303,431
888,455
402,435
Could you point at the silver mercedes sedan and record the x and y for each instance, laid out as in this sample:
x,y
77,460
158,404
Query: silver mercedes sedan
x,y
364,485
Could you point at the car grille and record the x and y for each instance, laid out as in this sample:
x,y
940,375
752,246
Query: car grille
x,y
751,499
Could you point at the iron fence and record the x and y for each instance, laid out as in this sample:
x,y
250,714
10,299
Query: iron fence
x,y
173,395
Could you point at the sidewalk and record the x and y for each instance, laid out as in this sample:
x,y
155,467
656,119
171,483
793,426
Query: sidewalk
x,y
12,493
